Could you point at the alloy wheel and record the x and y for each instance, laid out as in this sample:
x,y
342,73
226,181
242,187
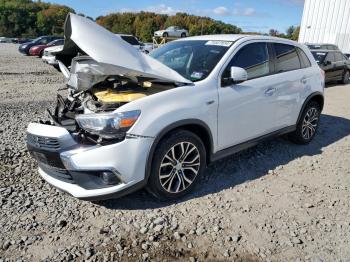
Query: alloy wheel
x,y
179,167
310,123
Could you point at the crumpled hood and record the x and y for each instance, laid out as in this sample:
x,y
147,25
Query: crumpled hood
x,y
111,50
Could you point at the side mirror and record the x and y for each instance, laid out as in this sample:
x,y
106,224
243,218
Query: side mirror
x,y
237,75
327,62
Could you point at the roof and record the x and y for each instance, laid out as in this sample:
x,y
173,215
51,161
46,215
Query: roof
x,y
323,50
320,44
235,37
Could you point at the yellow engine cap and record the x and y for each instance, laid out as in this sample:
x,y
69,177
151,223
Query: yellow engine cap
x,y
109,96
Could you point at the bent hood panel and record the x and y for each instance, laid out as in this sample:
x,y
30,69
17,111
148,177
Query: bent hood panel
x,y
107,48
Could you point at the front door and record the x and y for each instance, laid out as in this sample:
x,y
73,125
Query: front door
x,y
247,110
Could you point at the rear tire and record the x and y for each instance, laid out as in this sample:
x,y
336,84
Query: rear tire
x,y
178,162
308,124
346,78
183,35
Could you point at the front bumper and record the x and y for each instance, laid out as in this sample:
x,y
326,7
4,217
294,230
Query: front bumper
x,y
78,169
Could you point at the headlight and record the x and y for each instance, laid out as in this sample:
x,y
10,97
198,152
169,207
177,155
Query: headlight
x,y
24,46
108,125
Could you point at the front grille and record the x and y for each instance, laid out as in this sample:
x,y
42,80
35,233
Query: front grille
x,y
43,142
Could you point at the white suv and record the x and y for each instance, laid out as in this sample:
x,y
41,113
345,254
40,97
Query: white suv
x,y
132,120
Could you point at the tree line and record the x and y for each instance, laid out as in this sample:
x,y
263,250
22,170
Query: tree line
x,y
144,24
28,19
25,18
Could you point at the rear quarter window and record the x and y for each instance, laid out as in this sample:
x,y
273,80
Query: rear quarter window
x,y
287,58
304,60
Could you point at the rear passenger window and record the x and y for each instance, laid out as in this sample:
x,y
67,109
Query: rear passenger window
x,y
330,57
339,56
286,58
304,60
254,58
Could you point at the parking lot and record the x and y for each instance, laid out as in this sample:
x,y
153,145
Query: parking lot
x,y
275,202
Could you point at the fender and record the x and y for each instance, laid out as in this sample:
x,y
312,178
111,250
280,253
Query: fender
x,y
169,128
307,101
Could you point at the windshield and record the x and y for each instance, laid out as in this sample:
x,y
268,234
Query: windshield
x,y
193,59
314,46
130,39
319,56
37,39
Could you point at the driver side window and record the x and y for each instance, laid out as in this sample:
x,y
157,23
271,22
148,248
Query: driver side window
x,y
254,58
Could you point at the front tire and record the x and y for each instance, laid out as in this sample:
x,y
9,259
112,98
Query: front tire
x,y
307,125
178,162
183,35
165,34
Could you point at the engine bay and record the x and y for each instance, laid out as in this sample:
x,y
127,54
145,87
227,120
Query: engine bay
x,y
106,96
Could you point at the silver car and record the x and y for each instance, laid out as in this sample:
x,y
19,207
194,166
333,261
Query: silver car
x,y
172,31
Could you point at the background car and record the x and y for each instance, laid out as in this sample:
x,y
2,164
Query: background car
x,y
38,50
5,40
172,31
43,40
347,55
21,40
132,40
335,64
49,55
322,46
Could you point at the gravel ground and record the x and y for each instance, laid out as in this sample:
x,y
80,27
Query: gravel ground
x,y
275,202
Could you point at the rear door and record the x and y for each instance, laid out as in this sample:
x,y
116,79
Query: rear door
x,y
293,80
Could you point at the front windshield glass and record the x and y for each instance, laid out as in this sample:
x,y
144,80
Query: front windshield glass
x,y
130,39
319,56
36,40
193,59
314,46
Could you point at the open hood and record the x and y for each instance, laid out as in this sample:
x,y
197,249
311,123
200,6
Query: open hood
x,y
108,49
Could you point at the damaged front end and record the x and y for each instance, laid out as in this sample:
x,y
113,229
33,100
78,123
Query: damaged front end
x,y
105,74
94,93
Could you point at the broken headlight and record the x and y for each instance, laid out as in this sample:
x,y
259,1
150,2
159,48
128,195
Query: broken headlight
x,y
108,125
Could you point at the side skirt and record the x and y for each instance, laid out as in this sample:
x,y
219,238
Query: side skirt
x,y
237,148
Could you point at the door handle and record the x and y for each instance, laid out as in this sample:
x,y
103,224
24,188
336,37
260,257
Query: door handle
x,y
303,80
270,91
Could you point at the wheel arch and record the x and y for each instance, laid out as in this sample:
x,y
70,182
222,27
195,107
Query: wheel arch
x,y
317,97
196,126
